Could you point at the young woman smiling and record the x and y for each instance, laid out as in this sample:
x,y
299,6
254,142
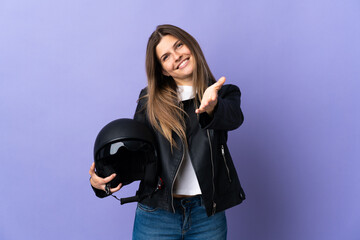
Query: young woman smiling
x,y
190,113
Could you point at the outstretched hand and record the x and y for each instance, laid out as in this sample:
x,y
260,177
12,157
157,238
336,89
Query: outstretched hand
x,y
100,183
210,97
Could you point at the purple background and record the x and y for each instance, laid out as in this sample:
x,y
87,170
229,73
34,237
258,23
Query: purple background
x,y
69,67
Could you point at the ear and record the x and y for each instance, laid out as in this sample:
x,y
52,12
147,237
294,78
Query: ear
x,y
165,73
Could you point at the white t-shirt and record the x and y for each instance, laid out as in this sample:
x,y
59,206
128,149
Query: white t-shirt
x,y
186,182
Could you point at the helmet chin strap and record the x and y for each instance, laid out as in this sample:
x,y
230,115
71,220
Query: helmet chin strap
x,y
135,198
130,199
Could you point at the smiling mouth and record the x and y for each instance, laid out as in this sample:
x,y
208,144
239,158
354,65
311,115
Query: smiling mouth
x,y
183,64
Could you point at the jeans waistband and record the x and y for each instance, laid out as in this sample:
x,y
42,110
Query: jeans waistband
x,y
187,202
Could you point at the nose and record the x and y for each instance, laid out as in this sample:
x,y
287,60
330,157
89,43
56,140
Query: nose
x,y
177,56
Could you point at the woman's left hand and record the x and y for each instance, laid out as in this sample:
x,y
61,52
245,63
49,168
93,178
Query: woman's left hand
x,y
210,98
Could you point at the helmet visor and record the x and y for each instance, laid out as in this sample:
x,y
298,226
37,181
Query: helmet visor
x,y
126,158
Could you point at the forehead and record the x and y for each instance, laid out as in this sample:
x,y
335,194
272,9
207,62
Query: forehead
x,y
166,44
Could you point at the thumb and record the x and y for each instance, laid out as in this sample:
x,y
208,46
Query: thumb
x,y
219,83
92,169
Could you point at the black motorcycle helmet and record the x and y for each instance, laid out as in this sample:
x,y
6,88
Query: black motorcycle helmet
x,y
127,148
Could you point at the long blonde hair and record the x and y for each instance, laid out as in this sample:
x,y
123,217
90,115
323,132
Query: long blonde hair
x,y
163,109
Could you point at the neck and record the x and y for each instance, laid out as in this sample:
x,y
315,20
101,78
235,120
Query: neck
x,y
184,82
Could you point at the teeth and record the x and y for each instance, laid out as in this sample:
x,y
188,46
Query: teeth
x,y
183,63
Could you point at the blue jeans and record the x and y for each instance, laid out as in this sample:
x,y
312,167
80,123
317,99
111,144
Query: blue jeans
x,y
188,222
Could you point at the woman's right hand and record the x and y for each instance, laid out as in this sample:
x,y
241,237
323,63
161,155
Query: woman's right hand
x,y
100,183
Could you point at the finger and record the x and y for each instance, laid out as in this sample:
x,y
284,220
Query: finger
x,y
92,169
219,83
112,190
207,102
109,178
197,111
201,109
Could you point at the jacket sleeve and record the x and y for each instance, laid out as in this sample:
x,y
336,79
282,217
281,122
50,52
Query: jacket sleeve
x,y
140,112
227,113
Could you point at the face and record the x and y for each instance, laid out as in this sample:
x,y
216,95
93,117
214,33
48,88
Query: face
x,y
176,60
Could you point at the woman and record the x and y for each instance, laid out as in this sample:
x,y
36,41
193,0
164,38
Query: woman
x,y
190,114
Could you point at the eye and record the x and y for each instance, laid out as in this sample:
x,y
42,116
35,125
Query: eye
x,y
180,44
165,58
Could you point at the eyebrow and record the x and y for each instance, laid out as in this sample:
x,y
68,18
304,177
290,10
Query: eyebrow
x,y
173,47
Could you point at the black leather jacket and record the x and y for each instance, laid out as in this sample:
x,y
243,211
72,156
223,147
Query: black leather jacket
x,y
208,150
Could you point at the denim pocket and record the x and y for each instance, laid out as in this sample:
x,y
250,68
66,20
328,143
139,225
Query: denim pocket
x,y
146,208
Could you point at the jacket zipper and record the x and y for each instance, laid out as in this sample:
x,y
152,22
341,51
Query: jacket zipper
x,y
227,168
177,171
213,173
